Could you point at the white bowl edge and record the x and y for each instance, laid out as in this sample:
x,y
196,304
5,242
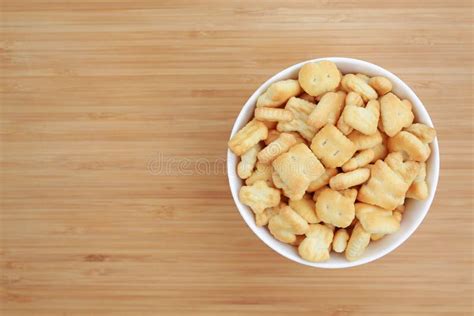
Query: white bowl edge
x,y
415,210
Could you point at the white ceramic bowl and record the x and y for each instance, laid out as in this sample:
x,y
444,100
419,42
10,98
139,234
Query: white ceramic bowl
x,y
415,210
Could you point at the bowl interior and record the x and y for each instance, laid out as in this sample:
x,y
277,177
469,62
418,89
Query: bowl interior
x,y
415,210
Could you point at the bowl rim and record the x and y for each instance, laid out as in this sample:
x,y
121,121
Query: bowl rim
x,y
231,173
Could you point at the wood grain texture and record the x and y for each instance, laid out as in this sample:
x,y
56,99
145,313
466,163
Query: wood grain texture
x,y
94,93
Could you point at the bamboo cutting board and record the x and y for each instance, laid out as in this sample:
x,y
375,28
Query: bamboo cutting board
x,y
114,122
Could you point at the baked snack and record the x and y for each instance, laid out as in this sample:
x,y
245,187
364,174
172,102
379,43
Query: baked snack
x,y
329,161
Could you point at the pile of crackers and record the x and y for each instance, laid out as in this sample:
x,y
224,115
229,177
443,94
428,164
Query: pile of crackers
x,y
329,160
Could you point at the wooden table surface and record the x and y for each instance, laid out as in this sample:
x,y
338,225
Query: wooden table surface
x,y
114,122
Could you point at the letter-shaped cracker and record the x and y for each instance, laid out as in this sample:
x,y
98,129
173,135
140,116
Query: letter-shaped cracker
x,y
339,243
305,208
279,146
351,82
349,179
424,133
362,141
395,114
332,147
319,78
357,244
419,188
247,137
335,208
328,109
296,169
278,93
364,120
354,99
410,145
376,220
286,225
259,196
361,159
381,84
273,115
322,180
262,172
301,110
248,161
315,247
385,187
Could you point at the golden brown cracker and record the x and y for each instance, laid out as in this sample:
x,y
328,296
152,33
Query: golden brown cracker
x,y
351,82
419,188
328,109
339,243
385,187
362,141
262,172
316,246
364,120
357,243
349,179
332,147
322,180
279,146
381,84
360,159
395,114
334,208
407,170
296,169
424,133
301,110
248,161
410,146
259,196
273,114
319,78
305,207
278,93
285,225
376,220
247,137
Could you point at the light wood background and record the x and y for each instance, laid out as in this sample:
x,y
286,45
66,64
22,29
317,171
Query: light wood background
x,y
95,92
